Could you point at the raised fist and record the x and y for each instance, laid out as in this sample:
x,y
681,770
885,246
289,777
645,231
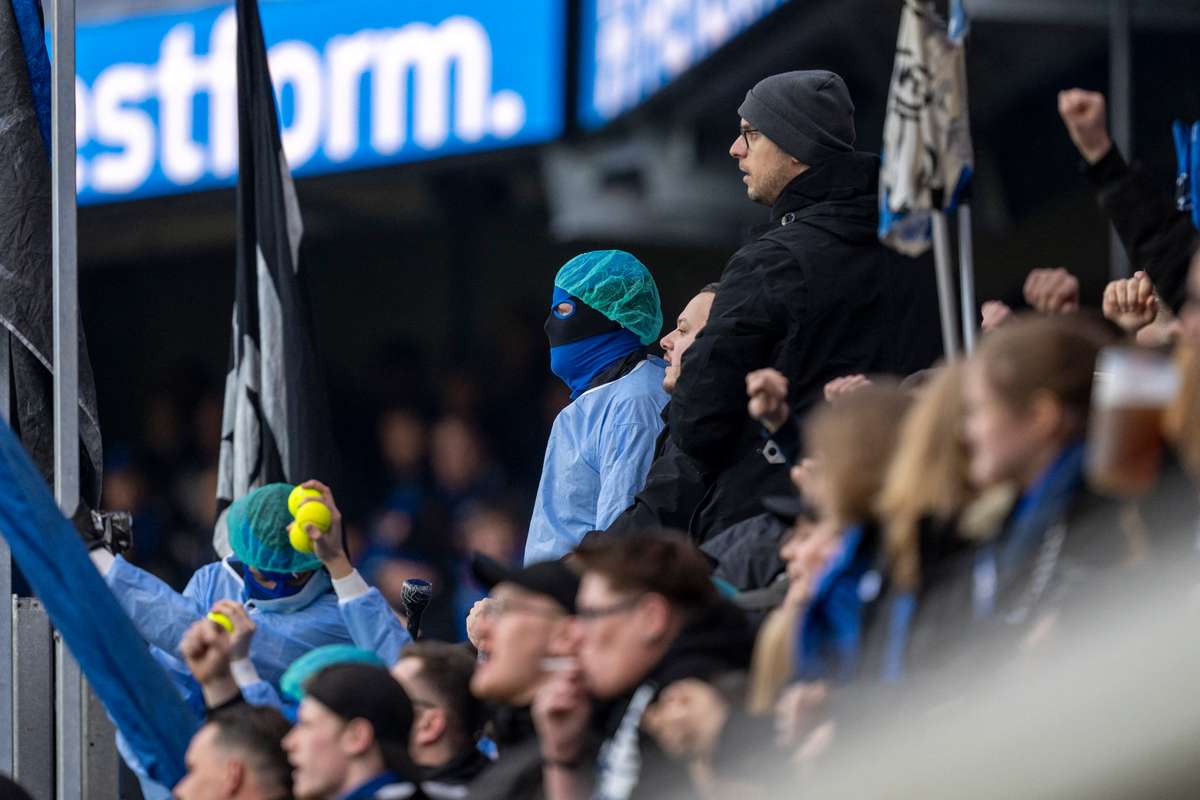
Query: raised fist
x,y
1052,291
1084,113
1131,302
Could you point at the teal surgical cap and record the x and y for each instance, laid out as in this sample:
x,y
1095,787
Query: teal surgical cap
x,y
314,661
258,531
617,285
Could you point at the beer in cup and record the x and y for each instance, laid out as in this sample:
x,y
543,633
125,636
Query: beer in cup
x,y
1131,391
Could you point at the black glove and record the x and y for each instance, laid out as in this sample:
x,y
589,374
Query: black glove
x,y
112,530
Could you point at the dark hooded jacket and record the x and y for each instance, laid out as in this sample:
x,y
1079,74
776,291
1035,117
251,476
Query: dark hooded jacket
x,y
715,644
815,296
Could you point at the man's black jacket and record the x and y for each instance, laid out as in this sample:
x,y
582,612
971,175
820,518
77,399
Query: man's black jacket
x,y
815,296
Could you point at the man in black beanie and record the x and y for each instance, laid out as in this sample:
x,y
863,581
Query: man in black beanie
x,y
814,295
350,741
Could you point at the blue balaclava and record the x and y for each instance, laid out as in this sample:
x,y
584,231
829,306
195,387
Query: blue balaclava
x,y
611,309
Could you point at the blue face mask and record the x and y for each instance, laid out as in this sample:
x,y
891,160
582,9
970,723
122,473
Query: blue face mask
x,y
583,342
285,584
578,363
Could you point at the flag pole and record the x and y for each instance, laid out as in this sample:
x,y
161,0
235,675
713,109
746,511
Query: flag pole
x,y
66,298
68,695
966,277
945,285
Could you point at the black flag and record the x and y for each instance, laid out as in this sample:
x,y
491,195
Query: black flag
x,y
26,301
275,424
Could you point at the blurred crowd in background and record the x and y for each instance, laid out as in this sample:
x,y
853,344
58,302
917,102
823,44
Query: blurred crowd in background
x,y
438,464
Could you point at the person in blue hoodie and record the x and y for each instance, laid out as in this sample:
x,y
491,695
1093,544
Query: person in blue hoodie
x,y
604,312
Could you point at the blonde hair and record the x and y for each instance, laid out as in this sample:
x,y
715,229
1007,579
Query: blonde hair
x,y
927,475
853,439
771,663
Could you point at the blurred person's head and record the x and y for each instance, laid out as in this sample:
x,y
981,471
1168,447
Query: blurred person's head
x,y
207,422
851,441
194,493
437,678
402,440
527,622
789,123
636,595
690,322
238,755
353,725
125,487
296,677
927,476
456,454
805,548
489,530
604,307
1027,393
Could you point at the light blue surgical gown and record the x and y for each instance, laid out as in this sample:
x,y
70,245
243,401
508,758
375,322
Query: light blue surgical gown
x,y
287,627
599,452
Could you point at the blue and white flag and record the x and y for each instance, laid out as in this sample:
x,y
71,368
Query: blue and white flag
x,y
927,157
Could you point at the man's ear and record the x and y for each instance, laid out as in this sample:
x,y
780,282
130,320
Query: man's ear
x,y
235,775
655,613
357,737
430,725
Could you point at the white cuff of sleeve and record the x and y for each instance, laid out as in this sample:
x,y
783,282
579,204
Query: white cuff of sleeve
x,y
244,673
103,560
350,587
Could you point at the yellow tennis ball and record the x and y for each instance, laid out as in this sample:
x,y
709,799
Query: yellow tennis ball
x,y
298,496
299,538
313,512
221,619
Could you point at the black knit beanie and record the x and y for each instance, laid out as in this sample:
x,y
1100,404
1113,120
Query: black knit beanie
x,y
807,113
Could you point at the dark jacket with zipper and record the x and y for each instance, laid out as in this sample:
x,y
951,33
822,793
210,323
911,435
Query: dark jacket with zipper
x,y
815,296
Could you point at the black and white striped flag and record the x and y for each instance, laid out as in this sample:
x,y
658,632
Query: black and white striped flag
x,y
275,426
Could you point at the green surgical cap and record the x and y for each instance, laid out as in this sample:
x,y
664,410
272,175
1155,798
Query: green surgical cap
x,y
314,661
258,531
617,285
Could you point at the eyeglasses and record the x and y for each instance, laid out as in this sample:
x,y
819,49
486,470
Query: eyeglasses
x,y
583,613
745,134
499,606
